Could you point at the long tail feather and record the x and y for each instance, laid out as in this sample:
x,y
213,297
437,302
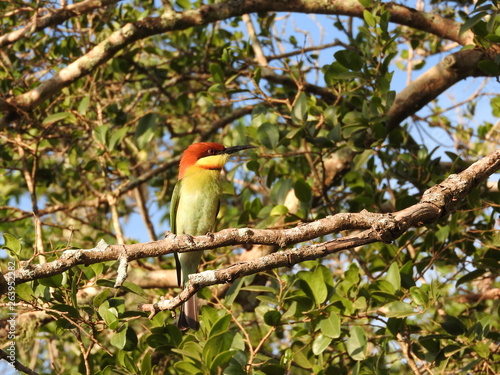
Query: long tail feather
x,y
188,317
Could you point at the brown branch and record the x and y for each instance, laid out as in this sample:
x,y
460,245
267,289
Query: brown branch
x,y
54,18
479,297
405,345
143,210
436,202
325,93
171,20
16,364
452,69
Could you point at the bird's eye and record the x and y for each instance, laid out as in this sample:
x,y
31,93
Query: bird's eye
x,y
211,151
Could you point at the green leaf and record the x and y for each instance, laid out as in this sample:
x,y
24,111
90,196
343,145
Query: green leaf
x,y
133,288
453,326
299,110
279,210
320,343
253,165
369,18
397,309
101,297
101,134
280,190
117,137
449,350
268,135
53,281
393,276
316,283
216,344
221,359
109,314
185,367
301,356
470,276
366,3
57,117
352,274
272,318
221,325
217,73
12,245
145,130
25,292
84,105
356,344
69,311
119,338
330,327
302,190
259,289
489,67
471,22
146,367
233,291
349,59
419,296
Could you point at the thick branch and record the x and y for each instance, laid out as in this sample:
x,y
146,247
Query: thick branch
x,y
132,32
452,69
436,202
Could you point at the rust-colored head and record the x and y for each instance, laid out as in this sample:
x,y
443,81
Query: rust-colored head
x,y
207,155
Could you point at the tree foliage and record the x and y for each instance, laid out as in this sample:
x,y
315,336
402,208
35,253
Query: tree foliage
x,y
99,98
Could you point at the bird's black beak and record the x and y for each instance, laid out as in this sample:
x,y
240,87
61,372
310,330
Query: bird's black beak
x,y
232,150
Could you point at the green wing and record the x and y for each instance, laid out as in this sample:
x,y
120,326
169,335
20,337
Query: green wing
x,y
174,204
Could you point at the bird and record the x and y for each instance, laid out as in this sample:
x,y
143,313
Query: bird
x,y
194,207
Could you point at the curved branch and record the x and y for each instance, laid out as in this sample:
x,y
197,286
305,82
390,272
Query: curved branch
x,y
435,203
171,20
16,364
54,18
452,69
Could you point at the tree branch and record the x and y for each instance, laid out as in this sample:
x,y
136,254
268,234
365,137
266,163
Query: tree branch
x,y
436,202
17,365
54,18
149,26
452,69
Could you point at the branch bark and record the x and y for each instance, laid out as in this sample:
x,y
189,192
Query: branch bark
x,y
54,18
452,69
436,202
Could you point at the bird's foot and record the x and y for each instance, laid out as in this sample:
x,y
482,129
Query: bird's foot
x,y
189,238
168,233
